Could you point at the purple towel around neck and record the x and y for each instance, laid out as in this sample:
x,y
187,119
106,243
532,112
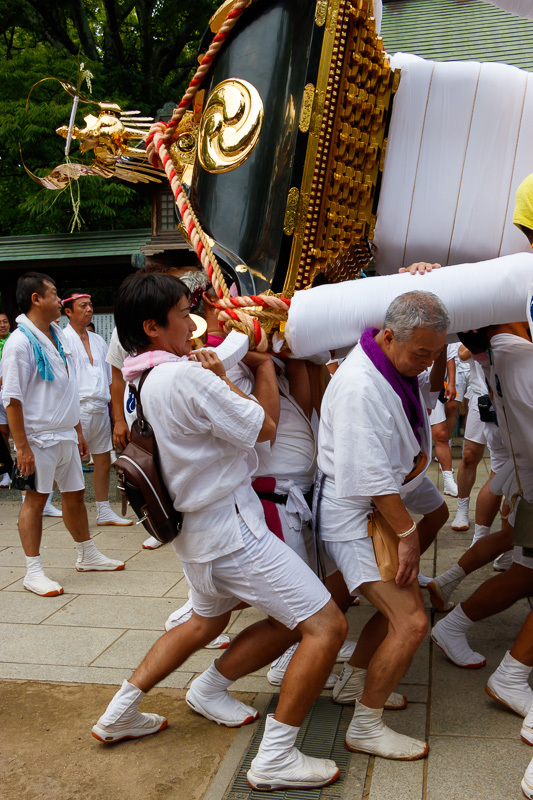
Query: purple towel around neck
x,y
406,388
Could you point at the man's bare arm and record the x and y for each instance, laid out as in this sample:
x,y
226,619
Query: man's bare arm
x,y
121,434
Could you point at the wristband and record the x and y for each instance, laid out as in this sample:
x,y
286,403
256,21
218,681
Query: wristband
x,y
407,533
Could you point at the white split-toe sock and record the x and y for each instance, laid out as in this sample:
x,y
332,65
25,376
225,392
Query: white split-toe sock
x,y
504,561
367,733
450,635
122,720
349,688
423,580
526,733
152,543
450,486
480,531
183,614
209,697
278,764
527,781
509,685
90,559
50,509
106,516
36,581
278,668
443,586
345,652
461,522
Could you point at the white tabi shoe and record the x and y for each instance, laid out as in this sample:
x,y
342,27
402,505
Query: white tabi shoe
x,y
221,708
279,765
184,613
278,668
527,781
367,733
90,559
152,543
50,510
346,651
350,685
503,562
122,720
449,634
450,486
106,516
43,586
526,734
460,522
509,685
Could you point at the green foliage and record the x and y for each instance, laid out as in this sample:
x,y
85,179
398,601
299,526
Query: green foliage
x,y
141,55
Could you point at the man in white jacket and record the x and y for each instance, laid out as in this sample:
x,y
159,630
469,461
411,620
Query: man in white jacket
x,y
374,445
40,394
93,376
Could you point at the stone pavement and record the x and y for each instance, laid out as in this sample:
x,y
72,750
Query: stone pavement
x,y
100,629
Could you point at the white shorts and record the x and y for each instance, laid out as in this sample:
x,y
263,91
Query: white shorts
x,y
3,415
265,573
499,455
60,462
96,428
438,414
475,428
355,559
424,499
520,558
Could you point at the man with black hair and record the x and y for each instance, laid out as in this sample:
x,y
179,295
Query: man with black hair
x,y
206,430
40,394
93,376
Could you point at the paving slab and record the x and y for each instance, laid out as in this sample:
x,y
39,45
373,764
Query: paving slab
x,y
95,634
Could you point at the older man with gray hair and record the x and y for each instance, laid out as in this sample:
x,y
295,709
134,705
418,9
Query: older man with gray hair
x,y
374,448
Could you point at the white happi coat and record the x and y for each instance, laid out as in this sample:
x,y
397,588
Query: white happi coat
x,y
366,446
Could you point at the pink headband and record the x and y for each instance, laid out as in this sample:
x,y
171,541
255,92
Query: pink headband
x,y
74,297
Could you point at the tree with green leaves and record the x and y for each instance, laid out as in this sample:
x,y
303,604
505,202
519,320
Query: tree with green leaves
x,y
141,55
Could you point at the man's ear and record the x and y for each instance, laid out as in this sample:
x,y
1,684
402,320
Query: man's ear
x,y
68,312
151,328
36,298
388,336
209,301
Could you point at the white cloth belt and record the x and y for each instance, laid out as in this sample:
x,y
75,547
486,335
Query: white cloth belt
x,y
296,502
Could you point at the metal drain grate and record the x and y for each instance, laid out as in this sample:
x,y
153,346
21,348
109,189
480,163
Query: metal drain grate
x,y
321,735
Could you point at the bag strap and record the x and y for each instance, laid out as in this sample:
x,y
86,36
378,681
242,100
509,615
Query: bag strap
x,y
136,392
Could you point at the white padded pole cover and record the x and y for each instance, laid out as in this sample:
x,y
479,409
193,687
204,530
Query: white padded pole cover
x,y
522,8
486,293
459,145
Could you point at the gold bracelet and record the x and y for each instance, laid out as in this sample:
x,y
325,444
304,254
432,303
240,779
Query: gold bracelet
x,y
407,533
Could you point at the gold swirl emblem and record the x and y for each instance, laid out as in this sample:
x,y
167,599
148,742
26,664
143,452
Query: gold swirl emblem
x,y
230,126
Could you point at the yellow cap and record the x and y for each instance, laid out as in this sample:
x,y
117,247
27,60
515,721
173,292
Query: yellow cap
x,y
523,210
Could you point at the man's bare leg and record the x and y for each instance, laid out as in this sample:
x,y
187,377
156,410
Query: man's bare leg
x,y
122,720
104,513
478,555
509,684
90,559
30,524
494,595
402,609
466,477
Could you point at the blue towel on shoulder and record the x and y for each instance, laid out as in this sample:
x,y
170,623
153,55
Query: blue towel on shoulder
x,y
43,364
